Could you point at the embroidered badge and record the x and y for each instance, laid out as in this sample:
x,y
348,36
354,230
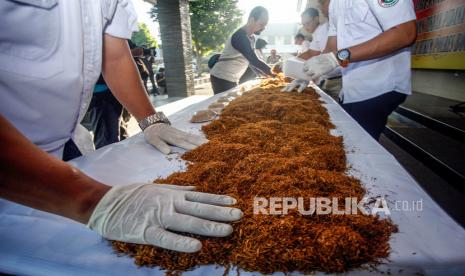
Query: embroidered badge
x,y
387,3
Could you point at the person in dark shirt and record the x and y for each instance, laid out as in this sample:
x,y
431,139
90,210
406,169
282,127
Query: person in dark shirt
x,y
138,56
259,46
149,59
241,41
239,54
161,82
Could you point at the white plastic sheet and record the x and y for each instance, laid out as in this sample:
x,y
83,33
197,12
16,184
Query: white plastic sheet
x,y
38,243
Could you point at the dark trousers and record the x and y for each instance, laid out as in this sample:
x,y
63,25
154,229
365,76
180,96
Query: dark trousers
x,y
70,151
372,114
105,116
154,86
220,85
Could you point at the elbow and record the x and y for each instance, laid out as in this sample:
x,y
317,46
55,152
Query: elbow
x,y
409,31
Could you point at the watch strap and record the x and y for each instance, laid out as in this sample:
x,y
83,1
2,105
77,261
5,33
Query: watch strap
x,y
155,118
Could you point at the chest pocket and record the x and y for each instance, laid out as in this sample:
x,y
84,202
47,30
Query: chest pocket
x,y
355,18
30,37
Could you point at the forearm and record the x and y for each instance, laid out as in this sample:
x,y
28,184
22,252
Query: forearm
x,y
331,45
259,65
123,79
394,39
308,54
31,177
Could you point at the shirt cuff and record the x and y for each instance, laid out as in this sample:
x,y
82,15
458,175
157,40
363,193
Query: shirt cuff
x,y
124,21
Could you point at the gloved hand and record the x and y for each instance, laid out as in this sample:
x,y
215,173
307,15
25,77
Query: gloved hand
x,y
160,135
299,84
142,214
320,65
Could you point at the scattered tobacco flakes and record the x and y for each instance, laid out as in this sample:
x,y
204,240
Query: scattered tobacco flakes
x,y
272,144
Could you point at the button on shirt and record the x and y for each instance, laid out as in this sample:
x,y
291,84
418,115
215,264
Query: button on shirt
x,y
357,21
50,59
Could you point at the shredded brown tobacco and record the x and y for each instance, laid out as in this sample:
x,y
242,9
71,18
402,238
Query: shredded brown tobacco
x,y
272,144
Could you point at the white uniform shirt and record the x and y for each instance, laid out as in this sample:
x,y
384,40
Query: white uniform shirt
x,y
50,59
357,21
320,38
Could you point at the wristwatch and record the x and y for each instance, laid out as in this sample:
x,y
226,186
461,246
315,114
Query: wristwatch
x,y
343,56
156,118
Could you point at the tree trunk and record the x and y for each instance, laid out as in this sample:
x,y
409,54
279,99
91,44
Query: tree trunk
x,y
175,32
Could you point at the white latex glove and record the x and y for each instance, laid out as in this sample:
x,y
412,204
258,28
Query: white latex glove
x,y
320,65
299,84
142,214
160,135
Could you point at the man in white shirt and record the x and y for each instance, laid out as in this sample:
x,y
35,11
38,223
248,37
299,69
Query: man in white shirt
x,y
371,40
316,46
310,19
51,54
332,82
320,35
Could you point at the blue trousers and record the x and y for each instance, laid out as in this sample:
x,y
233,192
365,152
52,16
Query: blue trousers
x,y
372,114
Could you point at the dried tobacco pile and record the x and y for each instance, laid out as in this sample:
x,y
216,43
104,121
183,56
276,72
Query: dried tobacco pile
x,y
272,144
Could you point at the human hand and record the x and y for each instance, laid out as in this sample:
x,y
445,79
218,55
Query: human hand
x,y
143,214
320,65
300,85
162,135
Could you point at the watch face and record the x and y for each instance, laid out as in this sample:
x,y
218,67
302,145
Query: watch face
x,y
343,54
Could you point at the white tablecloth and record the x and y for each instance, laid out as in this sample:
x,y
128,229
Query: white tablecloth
x,y
39,243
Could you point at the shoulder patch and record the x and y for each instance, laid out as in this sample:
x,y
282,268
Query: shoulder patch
x,y
387,3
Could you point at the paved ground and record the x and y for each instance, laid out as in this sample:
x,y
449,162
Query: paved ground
x,y
204,89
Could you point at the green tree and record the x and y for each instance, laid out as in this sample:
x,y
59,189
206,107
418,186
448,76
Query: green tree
x,y
143,37
212,22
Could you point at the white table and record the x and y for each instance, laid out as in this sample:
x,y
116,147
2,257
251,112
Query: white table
x,y
39,243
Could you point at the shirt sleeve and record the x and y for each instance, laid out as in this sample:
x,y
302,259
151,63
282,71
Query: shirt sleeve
x,y
391,15
332,31
241,43
315,45
124,20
